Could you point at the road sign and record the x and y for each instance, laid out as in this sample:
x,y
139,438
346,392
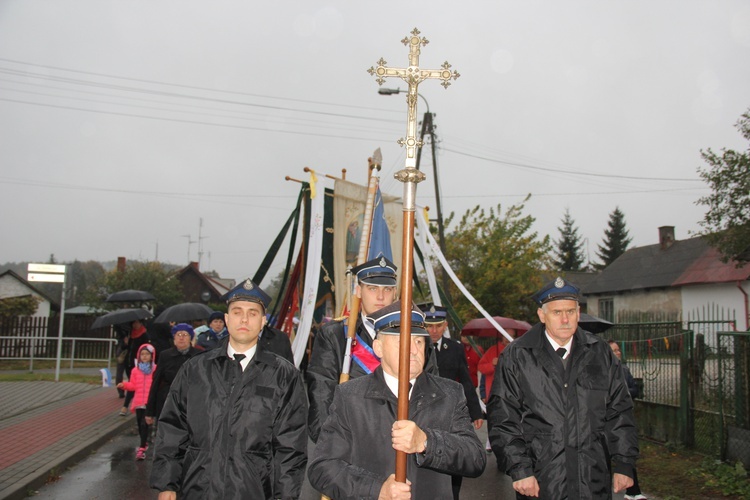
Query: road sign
x,y
46,268
46,278
52,273
46,273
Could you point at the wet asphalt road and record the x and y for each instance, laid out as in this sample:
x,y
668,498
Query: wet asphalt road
x,y
113,473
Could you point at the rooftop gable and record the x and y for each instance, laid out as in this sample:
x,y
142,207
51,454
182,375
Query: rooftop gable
x,y
652,266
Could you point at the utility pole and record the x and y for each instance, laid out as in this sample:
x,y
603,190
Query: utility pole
x,y
190,242
200,241
429,128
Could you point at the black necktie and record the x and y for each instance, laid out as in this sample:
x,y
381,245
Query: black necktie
x,y
561,352
238,358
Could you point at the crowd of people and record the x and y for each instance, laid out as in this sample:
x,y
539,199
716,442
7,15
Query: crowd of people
x,y
233,414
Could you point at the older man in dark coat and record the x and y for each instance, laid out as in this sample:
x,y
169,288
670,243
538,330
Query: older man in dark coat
x,y
355,455
559,412
233,425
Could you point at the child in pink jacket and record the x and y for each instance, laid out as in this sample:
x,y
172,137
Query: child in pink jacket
x,y
140,384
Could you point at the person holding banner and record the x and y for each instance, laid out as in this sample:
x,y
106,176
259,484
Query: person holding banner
x,y
351,459
376,288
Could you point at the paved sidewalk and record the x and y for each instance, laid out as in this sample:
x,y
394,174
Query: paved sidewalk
x,y
47,426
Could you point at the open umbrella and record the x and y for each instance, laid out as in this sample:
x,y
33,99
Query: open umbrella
x,y
188,311
593,324
130,296
121,316
481,327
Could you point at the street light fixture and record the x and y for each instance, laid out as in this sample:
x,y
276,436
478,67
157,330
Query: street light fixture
x,y
428,127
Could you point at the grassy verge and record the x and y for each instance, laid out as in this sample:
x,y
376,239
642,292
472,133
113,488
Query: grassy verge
x,y
672,474
47,364
50,377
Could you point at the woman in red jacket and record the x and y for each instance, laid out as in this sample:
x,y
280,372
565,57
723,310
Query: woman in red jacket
x,y
140,385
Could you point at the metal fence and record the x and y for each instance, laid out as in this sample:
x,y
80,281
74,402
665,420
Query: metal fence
x,y
693,386
733,366
74,349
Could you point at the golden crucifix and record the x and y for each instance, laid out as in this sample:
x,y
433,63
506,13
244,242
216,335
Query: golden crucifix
x,y
410,176
413,76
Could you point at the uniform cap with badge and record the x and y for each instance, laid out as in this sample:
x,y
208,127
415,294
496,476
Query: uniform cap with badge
x,y
248,291
387,321
378,271
434,315
559,289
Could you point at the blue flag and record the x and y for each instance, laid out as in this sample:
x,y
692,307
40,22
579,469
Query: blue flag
x,y
380,236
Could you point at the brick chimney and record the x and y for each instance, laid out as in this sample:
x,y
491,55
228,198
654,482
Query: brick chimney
x,y
121,263
666,236
195,266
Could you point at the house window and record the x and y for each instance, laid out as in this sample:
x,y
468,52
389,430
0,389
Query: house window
x,y
607,309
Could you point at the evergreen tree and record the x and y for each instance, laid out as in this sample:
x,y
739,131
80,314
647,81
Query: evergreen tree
x,y
569,249
615,240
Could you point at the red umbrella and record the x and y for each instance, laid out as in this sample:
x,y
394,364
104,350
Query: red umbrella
x,y
482,327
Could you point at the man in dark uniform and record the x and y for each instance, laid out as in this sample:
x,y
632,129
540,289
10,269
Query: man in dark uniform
x,y
560,415
233,424
452,365
355,457
376,288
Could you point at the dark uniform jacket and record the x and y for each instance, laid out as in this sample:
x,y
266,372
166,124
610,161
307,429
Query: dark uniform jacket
x,y
452,365
231,434
565,426
324,369
354,457
170,362
210,339
277,342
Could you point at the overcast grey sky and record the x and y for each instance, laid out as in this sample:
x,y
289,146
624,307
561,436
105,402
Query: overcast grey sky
x,y
122,123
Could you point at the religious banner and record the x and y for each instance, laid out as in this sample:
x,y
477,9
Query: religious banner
x,y
348,220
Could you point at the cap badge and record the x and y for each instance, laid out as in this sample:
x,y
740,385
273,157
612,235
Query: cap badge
x,y
432,309
559,283
382,262
248,285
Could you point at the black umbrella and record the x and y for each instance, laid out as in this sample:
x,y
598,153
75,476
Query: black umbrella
x,y
593,324
121,316
130,296
188,311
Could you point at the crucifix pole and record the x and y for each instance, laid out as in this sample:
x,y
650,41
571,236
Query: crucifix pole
x,y
410,176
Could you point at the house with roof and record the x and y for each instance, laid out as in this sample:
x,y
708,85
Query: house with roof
x,y
670,281
14,285
206,288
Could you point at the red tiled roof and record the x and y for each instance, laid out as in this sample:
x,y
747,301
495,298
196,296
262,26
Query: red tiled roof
x,y
708,268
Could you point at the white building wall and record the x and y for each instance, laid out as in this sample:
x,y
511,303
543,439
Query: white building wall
x,y
726,296
11,287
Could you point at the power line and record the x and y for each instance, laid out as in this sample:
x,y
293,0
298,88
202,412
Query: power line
x,y
572,172
70,70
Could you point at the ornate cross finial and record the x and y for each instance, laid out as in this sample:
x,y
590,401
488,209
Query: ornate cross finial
x,y
413,76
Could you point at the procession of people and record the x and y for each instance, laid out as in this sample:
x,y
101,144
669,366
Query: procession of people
x,y
387,397
233,419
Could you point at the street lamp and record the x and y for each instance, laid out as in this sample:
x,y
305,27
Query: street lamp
x,y
427,127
